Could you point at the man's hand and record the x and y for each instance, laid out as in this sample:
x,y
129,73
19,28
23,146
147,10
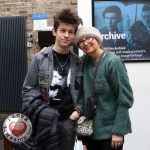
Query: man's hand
x,y
74,115
117,141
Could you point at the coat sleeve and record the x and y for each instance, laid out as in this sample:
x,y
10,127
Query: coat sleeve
x,y
30,91
119,81
31,79
79,104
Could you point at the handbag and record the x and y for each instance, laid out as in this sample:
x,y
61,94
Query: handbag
x,y
84,125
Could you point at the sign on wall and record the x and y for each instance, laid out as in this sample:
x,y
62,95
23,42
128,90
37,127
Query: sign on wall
x,y
39,21
125,28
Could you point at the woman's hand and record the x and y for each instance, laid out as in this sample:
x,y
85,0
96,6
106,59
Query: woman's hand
x,y
41,51
117,141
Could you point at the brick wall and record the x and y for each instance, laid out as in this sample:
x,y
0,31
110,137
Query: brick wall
x,y
29,7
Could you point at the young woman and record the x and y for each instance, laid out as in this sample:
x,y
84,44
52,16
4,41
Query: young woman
x,y
112,91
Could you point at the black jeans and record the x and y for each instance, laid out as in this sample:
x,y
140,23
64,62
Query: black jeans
x,y
99,144
67,134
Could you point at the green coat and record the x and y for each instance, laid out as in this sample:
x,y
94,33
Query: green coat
x,y
113,93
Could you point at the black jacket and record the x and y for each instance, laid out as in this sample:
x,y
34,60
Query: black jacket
x,y
44,119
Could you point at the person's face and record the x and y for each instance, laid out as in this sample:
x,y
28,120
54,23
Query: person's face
x,y
64,34
89,45
146,18
111,20
56,78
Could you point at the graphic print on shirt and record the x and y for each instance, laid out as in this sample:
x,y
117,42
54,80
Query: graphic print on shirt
x,y
61,79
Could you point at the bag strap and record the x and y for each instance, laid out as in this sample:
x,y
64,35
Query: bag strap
x,y
95,72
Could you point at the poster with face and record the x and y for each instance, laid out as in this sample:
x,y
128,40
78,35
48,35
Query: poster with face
x,y
125,28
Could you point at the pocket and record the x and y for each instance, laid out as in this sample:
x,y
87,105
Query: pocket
x,y
71,123
43,77
101,86
72,120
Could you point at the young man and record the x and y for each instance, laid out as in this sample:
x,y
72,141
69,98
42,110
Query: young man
x,y
42,72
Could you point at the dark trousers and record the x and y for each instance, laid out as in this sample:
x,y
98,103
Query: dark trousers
x,y
99,144
67,134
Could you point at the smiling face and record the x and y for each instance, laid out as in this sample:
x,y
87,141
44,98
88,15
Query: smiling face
x,y
64,34
111,20
89,47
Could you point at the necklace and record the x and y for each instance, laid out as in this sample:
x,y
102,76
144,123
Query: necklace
x,y
59,62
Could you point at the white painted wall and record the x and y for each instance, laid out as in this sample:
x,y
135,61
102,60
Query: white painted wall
x,y
139,75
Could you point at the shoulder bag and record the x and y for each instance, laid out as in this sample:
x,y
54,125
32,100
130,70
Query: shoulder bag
x,y
84,125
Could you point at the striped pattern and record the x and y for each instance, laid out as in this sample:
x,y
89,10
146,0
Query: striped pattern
x,y
13,61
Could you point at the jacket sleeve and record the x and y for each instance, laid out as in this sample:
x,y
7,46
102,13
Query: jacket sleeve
x,y
79,104
30,92
31,79
119,81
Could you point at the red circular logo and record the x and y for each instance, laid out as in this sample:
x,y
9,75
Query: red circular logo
x,y
17,127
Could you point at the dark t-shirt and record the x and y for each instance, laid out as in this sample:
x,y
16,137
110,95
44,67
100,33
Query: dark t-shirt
x,y
59,92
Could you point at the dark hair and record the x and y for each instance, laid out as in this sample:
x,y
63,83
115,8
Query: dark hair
x,y
146,8
68,16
